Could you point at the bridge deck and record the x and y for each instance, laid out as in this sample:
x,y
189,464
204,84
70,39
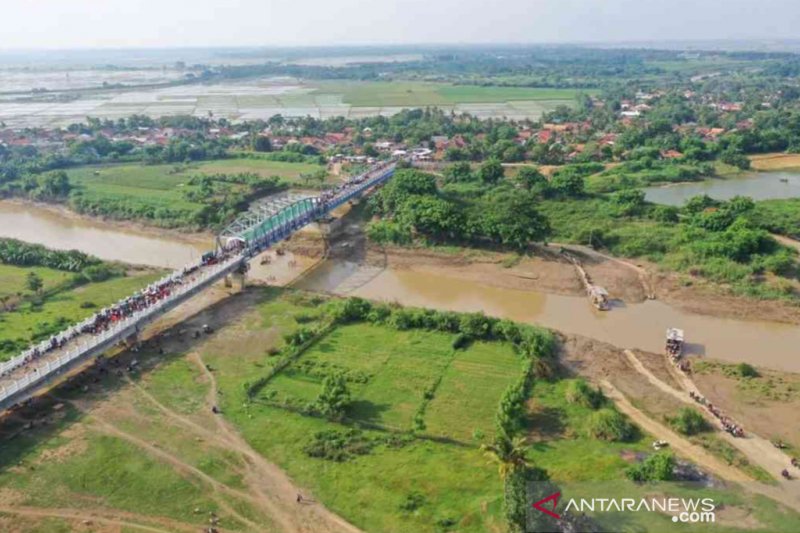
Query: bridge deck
x,y
41,366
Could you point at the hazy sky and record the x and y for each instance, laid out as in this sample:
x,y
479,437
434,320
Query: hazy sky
x,y
157,23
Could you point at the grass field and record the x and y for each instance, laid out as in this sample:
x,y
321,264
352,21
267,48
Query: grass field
x,y
147,447
159,192
419,94
64,307
13,279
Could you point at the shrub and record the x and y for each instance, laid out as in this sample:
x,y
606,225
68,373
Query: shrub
x,y
657,467
412,502
581,393
299,337
746,371
339,446
610,425
460,342
688,422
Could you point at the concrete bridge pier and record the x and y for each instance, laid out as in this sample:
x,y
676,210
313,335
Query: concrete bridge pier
x,y
239,278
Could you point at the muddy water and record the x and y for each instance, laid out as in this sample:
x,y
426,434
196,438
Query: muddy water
x,y
757,185
642,325
61,231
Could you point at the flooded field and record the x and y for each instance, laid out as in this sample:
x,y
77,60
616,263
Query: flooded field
x,y
57,230
758,186
627,326
266,97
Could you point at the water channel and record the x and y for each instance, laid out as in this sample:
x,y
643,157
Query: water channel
x,y
631,325
757,185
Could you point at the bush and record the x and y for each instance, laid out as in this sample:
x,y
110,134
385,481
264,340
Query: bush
x,y
412,502
610,425
339,446
460,342
299,337
688,422
657,467
581,393
746,371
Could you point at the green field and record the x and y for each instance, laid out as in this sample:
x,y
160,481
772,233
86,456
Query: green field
x,y
162,194
152,449
13,279
420,94
31,321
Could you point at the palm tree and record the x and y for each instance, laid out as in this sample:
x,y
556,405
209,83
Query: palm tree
x,y
508,453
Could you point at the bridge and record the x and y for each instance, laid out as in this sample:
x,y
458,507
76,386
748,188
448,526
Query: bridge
x,y
260,228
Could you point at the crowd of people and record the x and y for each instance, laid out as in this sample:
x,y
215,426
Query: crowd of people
x,y
728,423
107,318
329,194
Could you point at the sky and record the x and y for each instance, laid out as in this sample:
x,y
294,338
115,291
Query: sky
x,y
67,24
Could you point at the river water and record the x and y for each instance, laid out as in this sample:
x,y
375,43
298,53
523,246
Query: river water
x,y
631,326
758,186
57,230
640,325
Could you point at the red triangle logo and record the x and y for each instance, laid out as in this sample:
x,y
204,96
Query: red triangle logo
x,y
539,506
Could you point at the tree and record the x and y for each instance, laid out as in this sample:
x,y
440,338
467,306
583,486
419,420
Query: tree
x,y
431,216
457,172
34,282
515,471
262,144
335,396
508,453
491,171
567,184
531,179
515,221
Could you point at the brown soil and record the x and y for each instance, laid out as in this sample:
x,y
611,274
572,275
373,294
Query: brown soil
x,y
702,298
648,389
771,418
775,161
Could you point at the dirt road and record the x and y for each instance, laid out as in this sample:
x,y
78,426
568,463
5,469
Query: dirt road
x,y
758,450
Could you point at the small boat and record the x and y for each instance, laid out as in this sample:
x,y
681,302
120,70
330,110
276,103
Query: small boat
x,y
783,180
674,347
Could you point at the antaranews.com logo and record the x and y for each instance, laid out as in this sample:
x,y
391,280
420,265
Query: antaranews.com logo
x,y
554,513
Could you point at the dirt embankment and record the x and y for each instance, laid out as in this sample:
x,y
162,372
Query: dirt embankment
x,y
767,404
703,298
775,161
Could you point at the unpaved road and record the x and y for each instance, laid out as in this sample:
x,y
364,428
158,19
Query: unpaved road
x,y
696,453
758,450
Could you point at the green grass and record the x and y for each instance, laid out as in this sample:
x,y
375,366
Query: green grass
x,y
466,399
399,366
264,168
13,279
158,192
28,319
108,472
415,94
456,481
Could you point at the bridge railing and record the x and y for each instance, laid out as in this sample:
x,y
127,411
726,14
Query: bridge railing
x,y
89,342
80,344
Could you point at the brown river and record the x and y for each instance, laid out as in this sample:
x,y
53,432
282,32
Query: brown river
x,y
61,231
640,325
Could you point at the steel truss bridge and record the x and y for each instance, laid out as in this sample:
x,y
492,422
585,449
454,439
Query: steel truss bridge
x,y
260,228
